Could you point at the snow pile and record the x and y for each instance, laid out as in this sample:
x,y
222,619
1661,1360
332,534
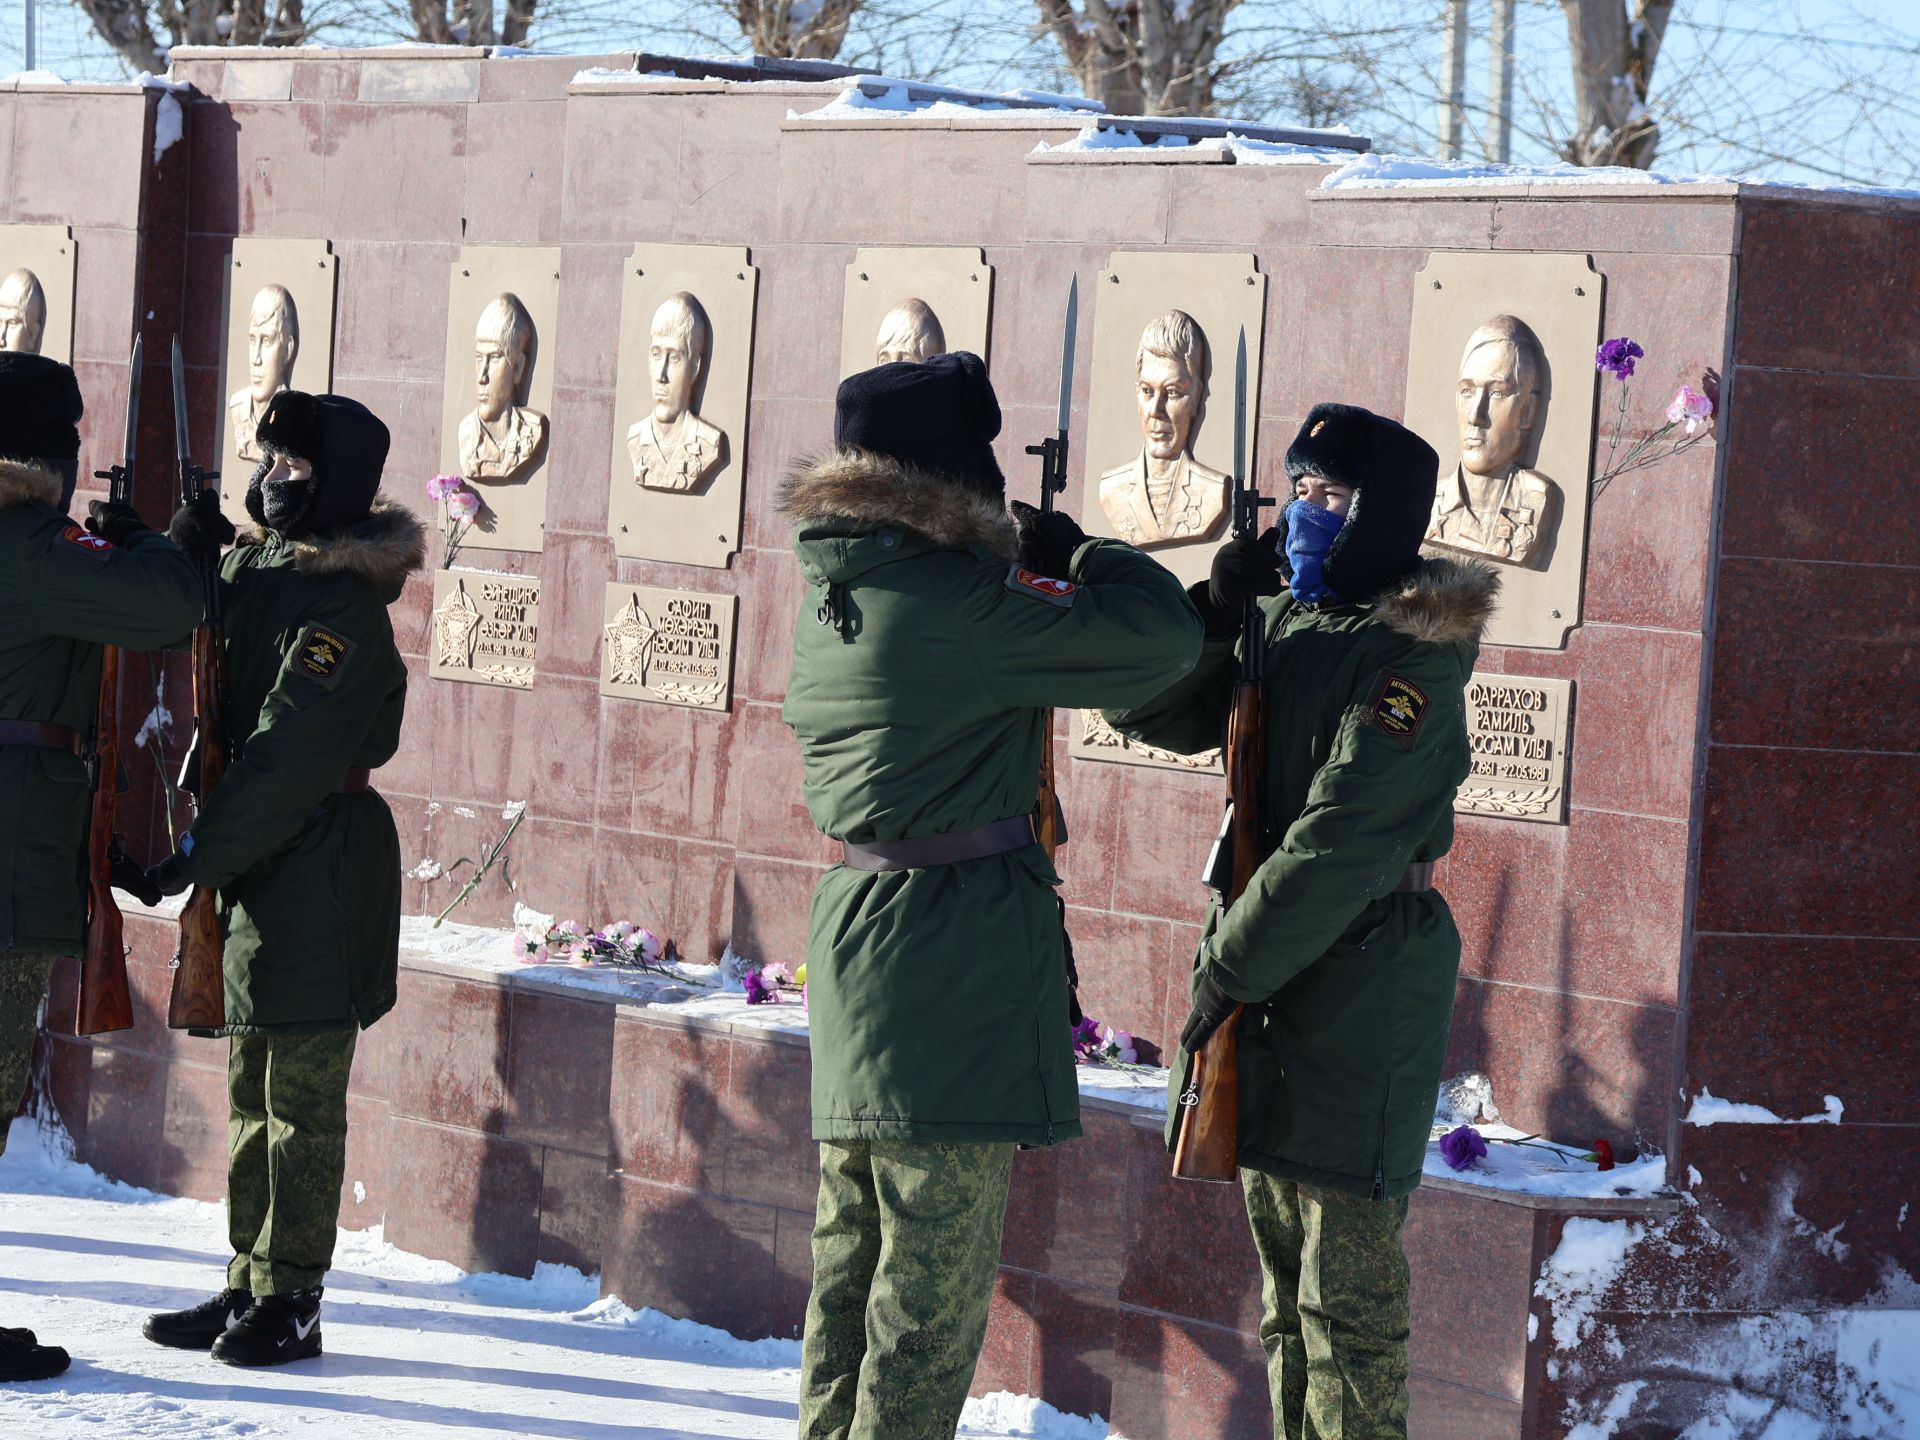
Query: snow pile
x,y
1545,1167
1709,1109
1244,149
1393,172
1589,1258
881,98
1004,1413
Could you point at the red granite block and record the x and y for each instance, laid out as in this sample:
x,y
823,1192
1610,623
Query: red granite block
x,y
1184,949
796,342
279,154
69,1084
1806,302
370,1154
555,868
500,768
1092,795
326,79
559,1071
773,600
771,1156
559,730
768,774
1648,536
1124,205
1242,206
579,1200
1472,1265
6,159
634,877
785,428
1354,351
473,1200
1595,906
50,129
1676,307
1852,675
538,77
607,197
1006,1355
1076,1345
1068,1208
703,900
1123,963
513,191
63,996
391,315
108,265
394,171
695,1256
849,187
380,1053
453,1068
1785,1022
1568,1066
726,177
1451,222
126,1117
411,410
1169,823
793,1271
1657,226
1191,1253
667,1103
1029,306
1440,1411
1809,842
1787,431
770,903
589,358
680,775
1175,1379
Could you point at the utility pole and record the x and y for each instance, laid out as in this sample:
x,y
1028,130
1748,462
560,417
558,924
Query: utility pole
x,y
1500,84
1453,74
33,38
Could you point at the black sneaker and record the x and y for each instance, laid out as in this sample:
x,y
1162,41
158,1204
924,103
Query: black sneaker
x,y
277,1329
25,1360
199,1327
23,1336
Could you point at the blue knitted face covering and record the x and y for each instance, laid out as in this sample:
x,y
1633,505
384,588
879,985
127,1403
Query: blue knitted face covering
x,y
1310,532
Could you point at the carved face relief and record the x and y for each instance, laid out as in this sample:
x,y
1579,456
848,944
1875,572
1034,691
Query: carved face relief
x,y
1497,402
273,339
499,358
23,313
909,332
676,356
1169,397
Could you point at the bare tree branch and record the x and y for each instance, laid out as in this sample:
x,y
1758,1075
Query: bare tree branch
x,y
1613,59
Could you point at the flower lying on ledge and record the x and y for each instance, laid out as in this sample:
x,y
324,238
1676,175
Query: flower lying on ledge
x,y
621,945
763,986
1097,1044
1463,1145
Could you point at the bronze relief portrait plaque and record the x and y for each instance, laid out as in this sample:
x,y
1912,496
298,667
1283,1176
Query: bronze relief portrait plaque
x,y
680,433
1501,382
279,300
36,290
495,425
908,303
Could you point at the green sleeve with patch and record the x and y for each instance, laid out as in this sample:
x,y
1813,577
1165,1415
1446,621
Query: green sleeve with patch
x,y
143,595
1373,800
1120,632
330,691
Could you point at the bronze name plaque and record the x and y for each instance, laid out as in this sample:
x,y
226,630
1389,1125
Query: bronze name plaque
x,y
673,647
1517,733
486,628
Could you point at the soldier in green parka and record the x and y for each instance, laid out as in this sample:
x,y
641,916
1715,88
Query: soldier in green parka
x,y
1340,950
65,591
302,851
934,633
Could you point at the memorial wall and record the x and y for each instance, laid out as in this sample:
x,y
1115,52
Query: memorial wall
x,y
604,312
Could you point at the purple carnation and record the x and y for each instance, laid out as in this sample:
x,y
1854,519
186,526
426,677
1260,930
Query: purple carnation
x,y
758,992
1461,1147
1616,357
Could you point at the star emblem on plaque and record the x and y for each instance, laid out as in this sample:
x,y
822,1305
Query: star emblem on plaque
x,y
456,625
628,640
669,647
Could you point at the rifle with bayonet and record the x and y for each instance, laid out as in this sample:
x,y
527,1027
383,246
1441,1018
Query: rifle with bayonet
x,y
1048,823
198,1000
105,1001
1207,1140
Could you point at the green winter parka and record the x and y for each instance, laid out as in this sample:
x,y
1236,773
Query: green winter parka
x,y
309,879
63,594
1348,982
922,663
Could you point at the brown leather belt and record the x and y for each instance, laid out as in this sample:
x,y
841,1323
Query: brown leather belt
x,y
920,852
34,734
354,781
1419,876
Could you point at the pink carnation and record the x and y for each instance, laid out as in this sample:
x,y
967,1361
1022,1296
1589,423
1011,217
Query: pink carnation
x,y
463,505
442,486
1690,408
651,945
1118,1045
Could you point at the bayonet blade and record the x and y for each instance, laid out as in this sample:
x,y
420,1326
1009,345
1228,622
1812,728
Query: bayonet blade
x,y
1066,354
133,407
1240,411
180,446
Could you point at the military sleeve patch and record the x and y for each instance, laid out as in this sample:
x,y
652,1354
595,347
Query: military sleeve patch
x,y
1035,586
94,547
1398,707
320,655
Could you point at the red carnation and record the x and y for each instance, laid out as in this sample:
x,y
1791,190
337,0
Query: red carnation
x,y
1603,1154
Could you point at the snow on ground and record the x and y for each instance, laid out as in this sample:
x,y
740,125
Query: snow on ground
x,y
414,1347
1710,1109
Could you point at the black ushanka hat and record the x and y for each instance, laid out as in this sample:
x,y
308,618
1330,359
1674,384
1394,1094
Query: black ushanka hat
x,y
1393,473
939,415
344,441
40,410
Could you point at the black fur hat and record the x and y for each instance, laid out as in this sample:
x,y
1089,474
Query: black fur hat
x,y
1393,473
40,410
939,415
346,444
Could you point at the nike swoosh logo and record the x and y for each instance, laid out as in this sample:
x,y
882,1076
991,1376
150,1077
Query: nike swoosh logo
x,y
305,1329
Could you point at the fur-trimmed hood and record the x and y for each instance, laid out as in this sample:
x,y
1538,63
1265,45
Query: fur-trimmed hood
x,y
23,481
867,490
1442,601
381,550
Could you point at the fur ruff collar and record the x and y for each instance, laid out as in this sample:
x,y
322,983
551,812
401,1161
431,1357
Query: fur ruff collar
x,y
869,490
1441,601
24,481
381,550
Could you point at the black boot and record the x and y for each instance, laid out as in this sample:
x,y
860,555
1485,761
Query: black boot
x,y
277,1329
199,1327
25,1360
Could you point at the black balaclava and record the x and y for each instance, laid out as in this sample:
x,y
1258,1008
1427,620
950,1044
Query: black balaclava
x,y
937,415
1393,473
346,444
40,412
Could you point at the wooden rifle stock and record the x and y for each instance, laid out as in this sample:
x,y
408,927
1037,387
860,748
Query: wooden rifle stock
x,y
199,998
105,1002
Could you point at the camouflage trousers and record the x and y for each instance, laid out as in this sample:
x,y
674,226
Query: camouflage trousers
x,y
1334,1284
23,983
286,1157
906,1242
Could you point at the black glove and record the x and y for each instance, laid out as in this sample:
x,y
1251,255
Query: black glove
x,y
125,875
1211,1007
200,529
166,877
1048,539
1242,570
113,522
